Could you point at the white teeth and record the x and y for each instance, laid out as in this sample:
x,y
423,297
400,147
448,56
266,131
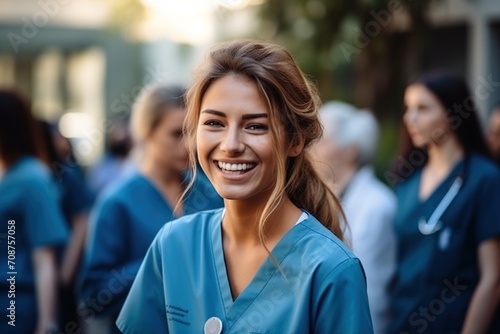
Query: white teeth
x,y
234,167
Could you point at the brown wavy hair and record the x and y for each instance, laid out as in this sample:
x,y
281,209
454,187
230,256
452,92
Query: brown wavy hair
x,y
293,102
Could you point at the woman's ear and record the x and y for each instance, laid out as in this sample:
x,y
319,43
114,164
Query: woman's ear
x,y
296,146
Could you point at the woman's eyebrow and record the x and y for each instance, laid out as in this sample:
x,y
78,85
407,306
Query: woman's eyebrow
x,y
252,116
213,112
245,117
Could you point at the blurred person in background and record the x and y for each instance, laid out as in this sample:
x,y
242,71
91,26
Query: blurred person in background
x,y
344,157
493,133
115,161
75,201
447,223
32,225
130,212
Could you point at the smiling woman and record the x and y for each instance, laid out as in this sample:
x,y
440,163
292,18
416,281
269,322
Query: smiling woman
x,y
233,131
273,259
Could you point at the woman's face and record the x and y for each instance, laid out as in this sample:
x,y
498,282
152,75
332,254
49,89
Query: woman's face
x,y
234,140
425,117
166,144
493,134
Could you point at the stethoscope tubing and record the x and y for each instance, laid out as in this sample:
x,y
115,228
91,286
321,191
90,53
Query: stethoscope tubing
x,y
433,224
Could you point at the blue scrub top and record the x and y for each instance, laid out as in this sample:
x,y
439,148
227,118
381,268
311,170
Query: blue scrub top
x,y
123,224
183,282
75,195
438,273
28,197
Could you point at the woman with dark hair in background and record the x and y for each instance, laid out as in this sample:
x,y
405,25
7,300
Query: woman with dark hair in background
x,y
75,201
31,225
447,223
130,212
493,132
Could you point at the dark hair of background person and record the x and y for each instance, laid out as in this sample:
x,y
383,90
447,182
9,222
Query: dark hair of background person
x,y
119,140
19,134
451,90
46,135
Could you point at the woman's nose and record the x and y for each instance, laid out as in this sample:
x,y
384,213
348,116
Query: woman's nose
x,y
231,143
409,116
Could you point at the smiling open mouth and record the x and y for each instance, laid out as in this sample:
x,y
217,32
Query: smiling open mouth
x,y
234,168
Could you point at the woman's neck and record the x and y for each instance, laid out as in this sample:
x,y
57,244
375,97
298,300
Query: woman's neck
x,y
241,222
444,156
167,182
158,174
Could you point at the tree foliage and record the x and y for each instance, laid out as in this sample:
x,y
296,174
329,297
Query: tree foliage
x,y
349,46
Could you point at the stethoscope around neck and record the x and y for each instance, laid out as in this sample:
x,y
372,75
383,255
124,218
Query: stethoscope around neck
x,y
433,224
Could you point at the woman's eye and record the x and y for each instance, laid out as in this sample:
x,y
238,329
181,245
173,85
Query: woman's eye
x,y
422,107
258,127
214,124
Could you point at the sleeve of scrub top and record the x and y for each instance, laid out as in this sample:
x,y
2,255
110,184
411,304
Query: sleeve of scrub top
x,y
488,210
43,218
107,270
144,309
342,302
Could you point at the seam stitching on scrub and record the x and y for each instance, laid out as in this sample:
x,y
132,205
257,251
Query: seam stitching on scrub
x,y
333,240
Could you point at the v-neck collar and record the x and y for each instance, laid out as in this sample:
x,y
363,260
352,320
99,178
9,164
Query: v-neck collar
x,y
157,191
443,185
234,309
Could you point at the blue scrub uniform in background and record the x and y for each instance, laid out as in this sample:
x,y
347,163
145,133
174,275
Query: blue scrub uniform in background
x,y
75,195
28,197
183,282
123,225
438,273
75,199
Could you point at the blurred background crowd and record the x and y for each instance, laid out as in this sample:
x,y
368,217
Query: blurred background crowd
x,y
78,66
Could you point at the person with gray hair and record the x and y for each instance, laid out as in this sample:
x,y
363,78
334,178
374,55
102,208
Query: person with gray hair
x,y
344,158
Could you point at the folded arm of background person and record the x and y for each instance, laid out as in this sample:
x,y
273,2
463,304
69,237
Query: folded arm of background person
x,y
487,294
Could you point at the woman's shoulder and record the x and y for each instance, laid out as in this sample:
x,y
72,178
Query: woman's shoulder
x,y
121,189
482,167
28,172
321,247
194,225
30,167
